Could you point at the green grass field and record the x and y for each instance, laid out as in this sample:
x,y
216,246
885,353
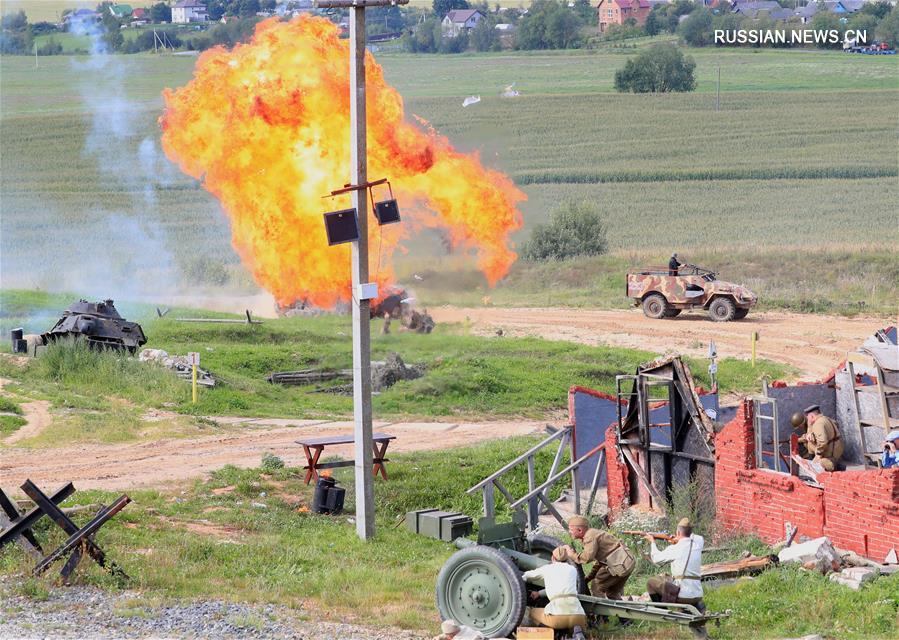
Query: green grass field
x,y
796,157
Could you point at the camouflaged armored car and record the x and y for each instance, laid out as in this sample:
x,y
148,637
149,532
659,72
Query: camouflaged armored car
x,y
665,296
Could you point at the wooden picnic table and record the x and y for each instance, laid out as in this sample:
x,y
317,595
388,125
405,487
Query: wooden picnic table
x,y
313,448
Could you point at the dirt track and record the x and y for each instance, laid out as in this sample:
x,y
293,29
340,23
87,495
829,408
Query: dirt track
x,y
160,463
814,344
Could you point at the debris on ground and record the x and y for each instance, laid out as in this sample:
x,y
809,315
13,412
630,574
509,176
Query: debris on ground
x,y
818,554
178,364
249,319
854,577
384,374
749,565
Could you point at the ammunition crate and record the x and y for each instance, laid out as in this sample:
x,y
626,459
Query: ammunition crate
x,y
440,525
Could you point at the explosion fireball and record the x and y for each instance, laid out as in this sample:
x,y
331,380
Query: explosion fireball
x,y
266,127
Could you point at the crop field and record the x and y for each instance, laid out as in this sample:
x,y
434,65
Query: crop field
x,y
794,160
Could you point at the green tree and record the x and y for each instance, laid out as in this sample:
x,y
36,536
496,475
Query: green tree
x,y
696,30
15,34
215,9
443,7
888,29
586,12
657,20
877,9
864,25
425,38
248,8
484,37
14,21
825,21
575,229
160,12
548,25
659,69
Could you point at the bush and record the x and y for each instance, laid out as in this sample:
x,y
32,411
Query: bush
x,y
484,37
888,29
50,48
659,69
576,229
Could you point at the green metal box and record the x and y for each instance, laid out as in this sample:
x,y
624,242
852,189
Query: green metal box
x,y
440,525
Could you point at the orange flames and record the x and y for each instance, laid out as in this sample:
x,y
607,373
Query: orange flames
x,y
266,126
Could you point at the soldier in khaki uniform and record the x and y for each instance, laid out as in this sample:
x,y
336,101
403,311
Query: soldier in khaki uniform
x,y
613,563
822,438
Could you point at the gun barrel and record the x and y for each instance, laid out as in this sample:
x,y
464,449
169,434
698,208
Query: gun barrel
x,y
523,561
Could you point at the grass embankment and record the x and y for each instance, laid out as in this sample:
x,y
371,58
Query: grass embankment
x,y
783,167
213,540
467,377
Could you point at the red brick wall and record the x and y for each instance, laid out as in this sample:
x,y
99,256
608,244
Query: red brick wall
x,y
862,510
858,510
618,487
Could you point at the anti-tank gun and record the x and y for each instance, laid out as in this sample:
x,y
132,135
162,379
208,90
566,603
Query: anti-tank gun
x,y
481,585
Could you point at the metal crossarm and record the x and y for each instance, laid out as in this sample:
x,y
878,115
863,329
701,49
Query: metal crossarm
x,y
82,536
23,524
55,513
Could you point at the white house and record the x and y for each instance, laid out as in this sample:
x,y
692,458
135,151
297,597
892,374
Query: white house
x,y
459,20
189,11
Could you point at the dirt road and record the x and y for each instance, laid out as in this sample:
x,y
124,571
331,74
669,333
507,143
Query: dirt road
x,y
814,344
160,463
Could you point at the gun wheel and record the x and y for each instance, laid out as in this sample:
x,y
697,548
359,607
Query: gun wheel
x,y
480,587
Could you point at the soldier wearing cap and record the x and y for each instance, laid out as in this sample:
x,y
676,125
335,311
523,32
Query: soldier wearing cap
x,y
613,563
448,630
560,581
822,438
685,556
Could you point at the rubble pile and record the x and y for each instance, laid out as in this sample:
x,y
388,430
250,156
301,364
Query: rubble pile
x,y
178,364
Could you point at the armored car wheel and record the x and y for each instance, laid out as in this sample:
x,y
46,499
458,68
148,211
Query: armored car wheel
x,y
722,310
481,587
655,306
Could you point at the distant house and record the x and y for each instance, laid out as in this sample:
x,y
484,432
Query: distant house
x,y
619,11
459,20
140,14
806,13
187,11
843,7
121,11
752,8
781,14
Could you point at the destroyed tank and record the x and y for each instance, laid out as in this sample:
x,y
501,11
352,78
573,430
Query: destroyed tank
x,y
100,324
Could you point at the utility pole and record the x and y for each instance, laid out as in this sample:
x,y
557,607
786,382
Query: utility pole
x,y
362,411
718,91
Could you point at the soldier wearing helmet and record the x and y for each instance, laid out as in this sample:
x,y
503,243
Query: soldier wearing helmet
x,y
822,437
674,265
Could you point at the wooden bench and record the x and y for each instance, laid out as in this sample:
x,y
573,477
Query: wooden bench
x,y
313,448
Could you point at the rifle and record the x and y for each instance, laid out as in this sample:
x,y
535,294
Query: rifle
x,y
657,535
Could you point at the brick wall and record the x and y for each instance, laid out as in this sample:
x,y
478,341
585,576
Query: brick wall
x,y
858,510
617,486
